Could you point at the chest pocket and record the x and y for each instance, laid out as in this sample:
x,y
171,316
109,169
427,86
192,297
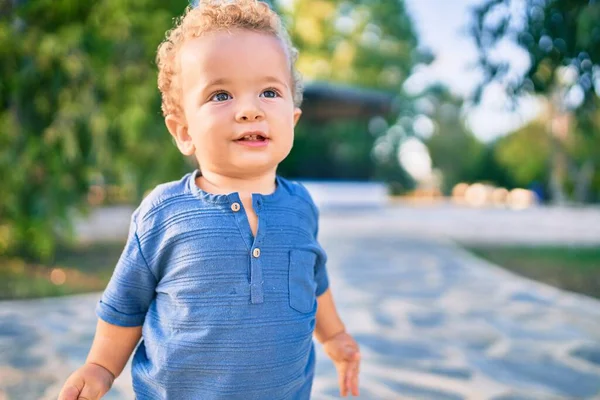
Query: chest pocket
x,y
302,285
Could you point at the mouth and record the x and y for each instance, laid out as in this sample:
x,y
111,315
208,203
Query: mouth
x,y
253,137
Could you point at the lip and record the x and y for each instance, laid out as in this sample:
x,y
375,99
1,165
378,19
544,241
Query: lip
x,y
254,144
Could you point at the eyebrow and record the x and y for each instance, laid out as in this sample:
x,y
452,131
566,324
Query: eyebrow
x,y
272,79
216,82
225,81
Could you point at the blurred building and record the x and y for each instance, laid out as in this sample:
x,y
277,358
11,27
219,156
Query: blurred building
x,y
327,101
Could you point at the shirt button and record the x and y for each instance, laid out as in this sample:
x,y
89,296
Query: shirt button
x,y
256,252
235,207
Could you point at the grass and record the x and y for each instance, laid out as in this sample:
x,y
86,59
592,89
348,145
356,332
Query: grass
x,y
82,269
575,269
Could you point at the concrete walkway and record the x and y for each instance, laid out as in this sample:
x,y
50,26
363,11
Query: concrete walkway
x,y
433,322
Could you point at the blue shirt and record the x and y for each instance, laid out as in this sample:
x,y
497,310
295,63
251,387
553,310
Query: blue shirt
x,y
225,315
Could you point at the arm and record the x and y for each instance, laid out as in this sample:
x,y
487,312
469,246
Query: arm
x,y
328,323
329,328
113,346
339,345
110,351
122,311
123,306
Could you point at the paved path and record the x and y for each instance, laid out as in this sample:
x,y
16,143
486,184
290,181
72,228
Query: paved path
x,y
433,323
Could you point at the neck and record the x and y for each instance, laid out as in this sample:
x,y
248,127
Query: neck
x,y
217,183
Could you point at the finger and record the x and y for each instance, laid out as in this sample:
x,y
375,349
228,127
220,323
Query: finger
x,y
354,386
354,382
351,379
342,371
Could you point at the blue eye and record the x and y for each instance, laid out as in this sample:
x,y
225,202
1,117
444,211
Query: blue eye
x,y
270,94
221,96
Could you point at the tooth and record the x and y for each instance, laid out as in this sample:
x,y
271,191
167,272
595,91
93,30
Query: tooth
x,y
253,137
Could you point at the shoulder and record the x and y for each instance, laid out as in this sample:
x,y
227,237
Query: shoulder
x,y
164,199
299,192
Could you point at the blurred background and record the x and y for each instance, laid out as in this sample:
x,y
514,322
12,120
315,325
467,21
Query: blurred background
x,y
476,121
487,104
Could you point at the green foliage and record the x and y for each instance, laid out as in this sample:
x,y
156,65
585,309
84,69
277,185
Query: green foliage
x,y
555,33
562,39
360,43
526,154
491,170
583,149
572,268
344,151
79,269
453,148
364,43
78,101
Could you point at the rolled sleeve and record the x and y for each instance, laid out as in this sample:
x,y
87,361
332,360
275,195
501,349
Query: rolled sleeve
x,y
131,288
321,277
113,316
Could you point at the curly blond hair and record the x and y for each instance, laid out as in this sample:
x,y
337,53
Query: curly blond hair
x,y
209,16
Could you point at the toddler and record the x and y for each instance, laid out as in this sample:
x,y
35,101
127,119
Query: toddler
x,y
222,276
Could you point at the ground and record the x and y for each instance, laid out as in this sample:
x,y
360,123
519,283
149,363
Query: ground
x,y
433,322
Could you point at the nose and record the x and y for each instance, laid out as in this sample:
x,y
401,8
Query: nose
x,y
249,110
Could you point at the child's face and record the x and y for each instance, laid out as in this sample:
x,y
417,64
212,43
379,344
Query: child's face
x,y
235,83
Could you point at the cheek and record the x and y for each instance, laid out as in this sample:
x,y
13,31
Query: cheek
x,y
284,117
287,139
207,127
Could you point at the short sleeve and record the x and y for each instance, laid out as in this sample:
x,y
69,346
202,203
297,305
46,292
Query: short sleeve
x,y
131,288
321,278
321,273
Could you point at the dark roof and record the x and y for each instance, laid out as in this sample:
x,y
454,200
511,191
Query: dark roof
x,y
324,101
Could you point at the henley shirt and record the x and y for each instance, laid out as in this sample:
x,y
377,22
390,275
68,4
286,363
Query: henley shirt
x,y
225,314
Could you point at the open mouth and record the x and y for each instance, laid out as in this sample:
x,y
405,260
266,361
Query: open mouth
x,y
252,138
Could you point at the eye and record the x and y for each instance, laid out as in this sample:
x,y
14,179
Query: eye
x,y
221,96
270,94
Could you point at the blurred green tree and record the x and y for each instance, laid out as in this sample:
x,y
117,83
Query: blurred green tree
x,y
453,148
583,149
78,102
360,43
562,39
363,43
525,154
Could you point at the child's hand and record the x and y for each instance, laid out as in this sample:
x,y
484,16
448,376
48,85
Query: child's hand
x,y
343,351
89,382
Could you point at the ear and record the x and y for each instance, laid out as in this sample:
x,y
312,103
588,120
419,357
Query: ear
x,y
297,114
178,129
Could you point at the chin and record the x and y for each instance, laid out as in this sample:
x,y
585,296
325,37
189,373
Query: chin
x,y
260,162
256,167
